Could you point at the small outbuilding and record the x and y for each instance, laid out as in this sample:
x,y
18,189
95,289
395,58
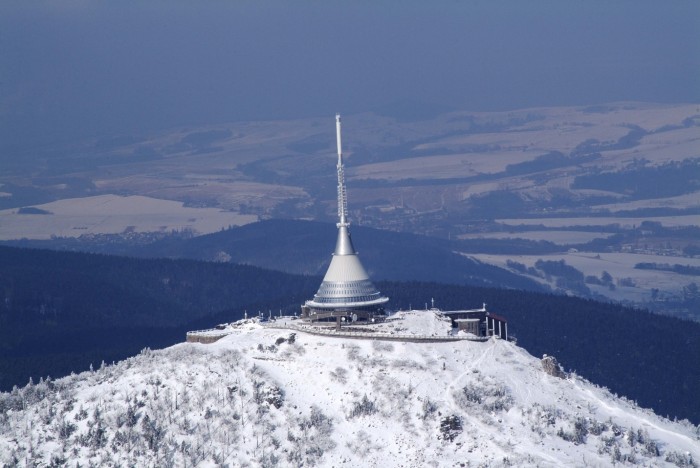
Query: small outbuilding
x,y
479,322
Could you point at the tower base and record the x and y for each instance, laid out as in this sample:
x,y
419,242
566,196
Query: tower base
x,y
359,315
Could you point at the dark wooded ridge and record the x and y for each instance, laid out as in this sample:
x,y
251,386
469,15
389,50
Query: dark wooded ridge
x,y
63,311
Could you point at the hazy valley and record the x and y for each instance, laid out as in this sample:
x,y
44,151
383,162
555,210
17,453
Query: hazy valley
x,y
604,189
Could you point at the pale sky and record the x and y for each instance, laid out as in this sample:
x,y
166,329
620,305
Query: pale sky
x,y
70,69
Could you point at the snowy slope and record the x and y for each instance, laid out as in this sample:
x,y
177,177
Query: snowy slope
x,y
259,398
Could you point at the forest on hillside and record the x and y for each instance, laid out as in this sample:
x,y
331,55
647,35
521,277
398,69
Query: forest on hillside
x,y
62,312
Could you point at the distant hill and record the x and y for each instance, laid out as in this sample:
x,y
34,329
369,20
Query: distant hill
x,y
62,311
305,247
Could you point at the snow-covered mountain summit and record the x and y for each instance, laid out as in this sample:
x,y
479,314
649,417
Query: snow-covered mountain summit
x,y
265,396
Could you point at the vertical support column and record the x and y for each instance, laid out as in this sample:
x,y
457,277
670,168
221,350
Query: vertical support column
x,y
337,323
342,195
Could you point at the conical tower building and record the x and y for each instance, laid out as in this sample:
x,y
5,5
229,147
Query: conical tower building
x,y
346,293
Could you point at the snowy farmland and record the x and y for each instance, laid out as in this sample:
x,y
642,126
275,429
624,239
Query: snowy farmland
x,y
619,266
112,214
622,222
556,237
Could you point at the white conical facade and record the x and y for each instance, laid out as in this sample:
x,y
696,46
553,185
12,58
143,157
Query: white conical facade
x,y
346,284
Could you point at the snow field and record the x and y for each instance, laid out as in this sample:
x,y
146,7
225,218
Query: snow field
x,y
270,397
112,214
619,265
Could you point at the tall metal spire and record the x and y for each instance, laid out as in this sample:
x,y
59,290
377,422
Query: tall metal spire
x,y
346,289
342,193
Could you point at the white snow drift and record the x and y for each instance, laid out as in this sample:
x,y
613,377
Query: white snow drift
x,y
271,397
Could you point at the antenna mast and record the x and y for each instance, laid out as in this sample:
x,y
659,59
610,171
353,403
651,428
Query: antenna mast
x,y
342,194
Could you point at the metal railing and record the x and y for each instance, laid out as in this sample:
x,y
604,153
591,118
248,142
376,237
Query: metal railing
x,y
209,332
371,335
